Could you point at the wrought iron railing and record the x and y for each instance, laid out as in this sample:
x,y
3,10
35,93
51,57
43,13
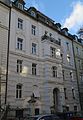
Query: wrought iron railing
x,y
51,39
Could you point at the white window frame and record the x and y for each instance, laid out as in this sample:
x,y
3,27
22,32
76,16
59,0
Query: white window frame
x,y
20,23
19,43
19,66
34,48
53,52
33,29
19,91
34,69
54,71
68,58
20,6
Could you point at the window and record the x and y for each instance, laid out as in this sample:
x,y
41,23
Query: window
x,y
77,50
19,66
73,93
62,57
67,46
19,113
71,75
33,48
33,14
34,68
33,30
79,64
63,72
20,5
20,23
19,91
58,53
19,43
68,58
54,71
65,90
53,52
75,108
67,108
81,77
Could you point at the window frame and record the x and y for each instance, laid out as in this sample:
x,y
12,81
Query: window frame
x,y
34,49
73,93
19,66
20,23
54,71
19,43
33,30
53,52
65,93
34,69
19,91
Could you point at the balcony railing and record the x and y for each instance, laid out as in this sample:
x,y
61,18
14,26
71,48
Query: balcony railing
x,y
51,39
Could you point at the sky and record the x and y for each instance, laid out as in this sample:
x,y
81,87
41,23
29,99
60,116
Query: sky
x,y
69,13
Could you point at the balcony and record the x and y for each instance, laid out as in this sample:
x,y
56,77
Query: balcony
x,y
51,39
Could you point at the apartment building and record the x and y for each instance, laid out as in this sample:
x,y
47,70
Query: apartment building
x,y
41,69
69,73
4,38
78,53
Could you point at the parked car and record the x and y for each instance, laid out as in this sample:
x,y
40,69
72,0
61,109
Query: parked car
x,y
76,118
43,117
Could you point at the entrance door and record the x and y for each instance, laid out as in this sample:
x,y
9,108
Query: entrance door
x,y
36,111
56,99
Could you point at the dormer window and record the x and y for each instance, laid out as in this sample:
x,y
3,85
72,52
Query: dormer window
x,y
65,31
19,3
20,6
33,14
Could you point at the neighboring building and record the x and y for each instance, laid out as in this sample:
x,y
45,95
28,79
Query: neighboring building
x,y
78,52
69,73
42,74
4,36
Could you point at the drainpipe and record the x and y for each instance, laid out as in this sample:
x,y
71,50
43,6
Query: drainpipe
x,y
76,74
7,57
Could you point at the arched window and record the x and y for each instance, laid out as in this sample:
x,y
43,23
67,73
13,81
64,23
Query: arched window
x,y
19,91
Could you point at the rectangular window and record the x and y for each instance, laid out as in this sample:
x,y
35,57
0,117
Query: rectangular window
x,y
34,68
63,74
19,113
65,90
71,75
77,50
19,43
53,52
20,6
68,59
79,64
67,46
19,66
73,93
81,77
20,23
54,71
33,30
18,91
33,48
75,108
67,108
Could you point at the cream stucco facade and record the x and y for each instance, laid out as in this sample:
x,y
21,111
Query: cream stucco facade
x,y
41,69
